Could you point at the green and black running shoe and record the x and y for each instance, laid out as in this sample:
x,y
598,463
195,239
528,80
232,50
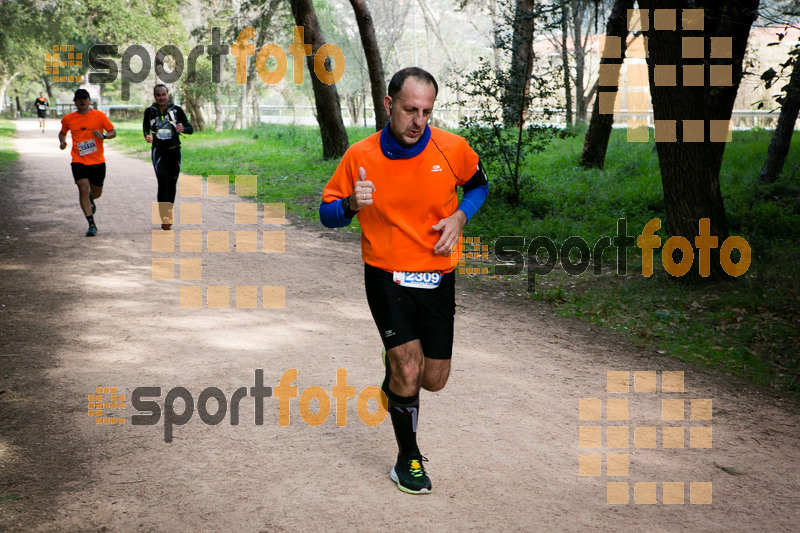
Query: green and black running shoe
x,y
92,231
409,474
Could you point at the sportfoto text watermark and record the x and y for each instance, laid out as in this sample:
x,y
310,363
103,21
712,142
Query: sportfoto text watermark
x,y
512,260
106,70
143,400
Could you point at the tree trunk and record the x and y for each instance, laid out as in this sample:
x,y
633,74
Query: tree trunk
x,y
48,87
240,122
354,101
6,83
329,111
256,108
496,23
374,63
195,108
595,144
263,22
518,87
219,117
580,60
692,120
565,58
782,138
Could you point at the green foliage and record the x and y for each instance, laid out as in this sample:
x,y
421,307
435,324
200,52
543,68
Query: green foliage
x,y
504,150
500,91
7,153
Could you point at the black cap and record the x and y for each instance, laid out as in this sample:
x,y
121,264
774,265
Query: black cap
x,y
81,93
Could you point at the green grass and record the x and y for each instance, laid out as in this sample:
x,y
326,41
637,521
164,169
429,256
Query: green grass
x,y
10,498
7,153
748,327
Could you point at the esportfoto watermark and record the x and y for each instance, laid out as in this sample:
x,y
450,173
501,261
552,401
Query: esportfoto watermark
x,y
102,58
511,261
144,400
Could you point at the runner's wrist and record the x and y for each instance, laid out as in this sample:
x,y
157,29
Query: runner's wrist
x,y
349,212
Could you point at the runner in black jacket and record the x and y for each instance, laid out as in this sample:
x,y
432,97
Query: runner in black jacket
x,y
163,123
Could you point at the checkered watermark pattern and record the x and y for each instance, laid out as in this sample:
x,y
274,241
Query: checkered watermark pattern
x,y
217,242
714,69
63,55
618,437
103,399
471,249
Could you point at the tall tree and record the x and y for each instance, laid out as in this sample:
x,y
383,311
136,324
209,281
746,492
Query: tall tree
x,y
521,63
784,14
579,10
704,47
565,58
595,143
266,12
329,112
782,138
374,63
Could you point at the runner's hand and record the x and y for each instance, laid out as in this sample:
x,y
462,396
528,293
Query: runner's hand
x,y
179,128
451,230
362,194
63,144
98,134
149,139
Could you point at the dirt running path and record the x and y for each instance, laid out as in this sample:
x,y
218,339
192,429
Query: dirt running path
x,y
502,438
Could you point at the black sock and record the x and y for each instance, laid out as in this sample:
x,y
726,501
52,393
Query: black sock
x,y
90,218
404,412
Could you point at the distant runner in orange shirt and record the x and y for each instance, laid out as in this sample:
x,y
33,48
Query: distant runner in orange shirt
x,y
401,184
88,164
41,104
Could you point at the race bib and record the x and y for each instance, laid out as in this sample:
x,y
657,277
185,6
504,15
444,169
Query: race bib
x,y
417,280
87,147
164,134
42,107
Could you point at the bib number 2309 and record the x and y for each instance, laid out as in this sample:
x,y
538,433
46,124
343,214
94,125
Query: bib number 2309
x,y
87,147
418,280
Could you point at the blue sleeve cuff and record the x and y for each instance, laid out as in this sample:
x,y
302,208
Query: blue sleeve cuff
x,y
331,214
473,199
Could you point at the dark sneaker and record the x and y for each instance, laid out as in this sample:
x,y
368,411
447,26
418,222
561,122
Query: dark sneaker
x,y
409,474
166,227
92,231
94,207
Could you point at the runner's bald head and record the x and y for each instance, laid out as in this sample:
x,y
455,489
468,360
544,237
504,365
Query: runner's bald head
x,y
400,77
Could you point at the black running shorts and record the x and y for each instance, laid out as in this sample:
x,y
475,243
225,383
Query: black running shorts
x,y
403,314
96,174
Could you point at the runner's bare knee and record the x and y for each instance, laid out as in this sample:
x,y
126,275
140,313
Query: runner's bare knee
x,y
436,373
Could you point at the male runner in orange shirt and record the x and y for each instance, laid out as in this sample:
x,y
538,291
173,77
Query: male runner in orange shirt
x,y
401,183
88,164
41,104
